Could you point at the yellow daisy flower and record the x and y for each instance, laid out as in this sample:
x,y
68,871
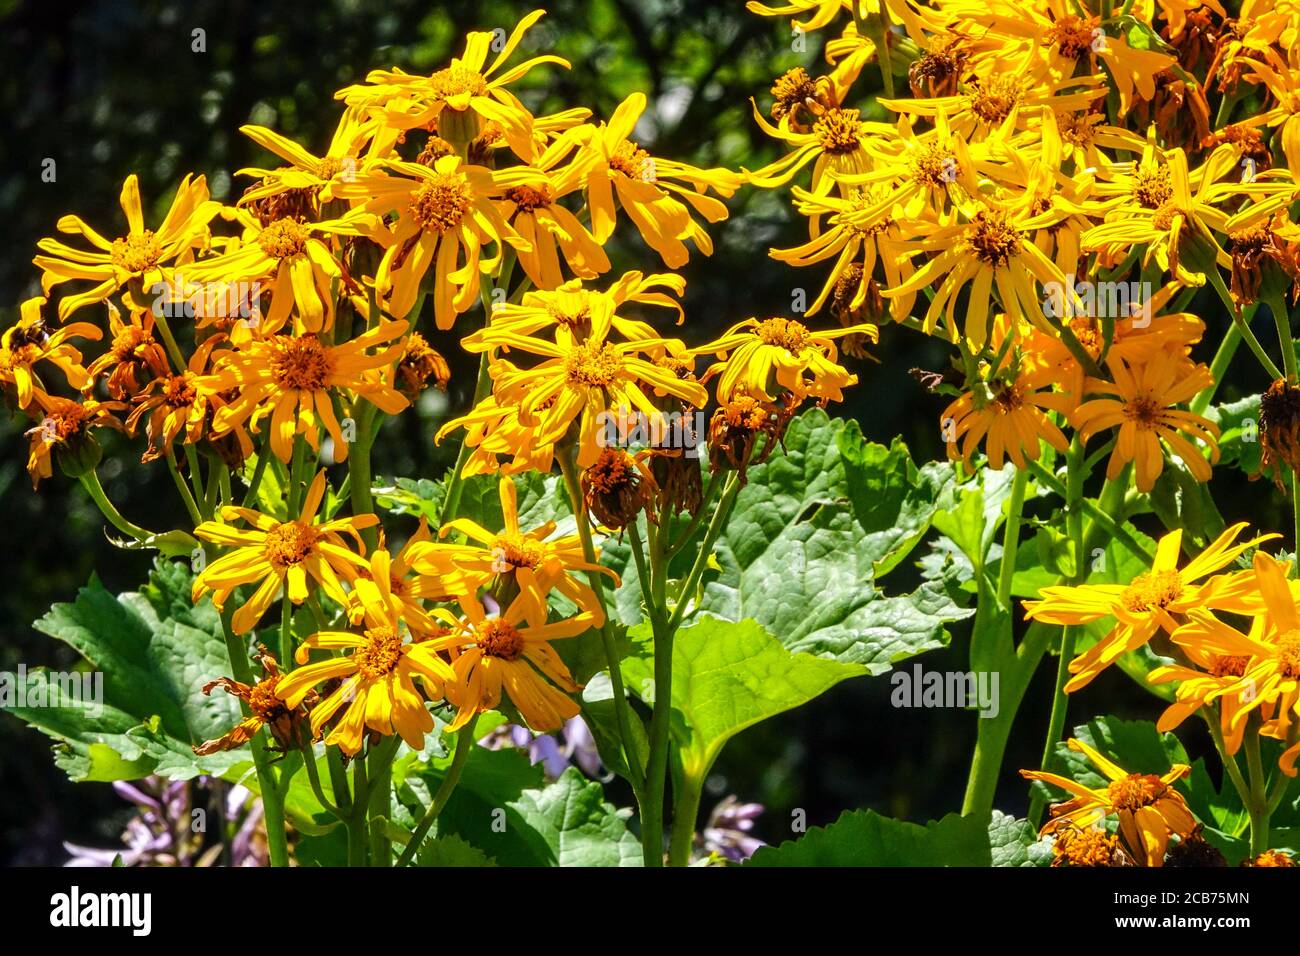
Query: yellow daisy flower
x,y
65,426
30,341
276,555
135,356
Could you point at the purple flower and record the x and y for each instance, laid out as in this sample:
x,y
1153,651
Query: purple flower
x,y
727,832
572,745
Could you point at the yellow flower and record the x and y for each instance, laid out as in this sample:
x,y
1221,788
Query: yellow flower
x,y
657,194
494,431
136,256
1011,415
578,380
491,654
134,356
1148,808
265,710
297,265
290,378
65,426
533,561
277,554
379,671
1141,402
758,355
30,341
1282,79
445,215
1270,680
1214,678
462,97
1154,599
176,404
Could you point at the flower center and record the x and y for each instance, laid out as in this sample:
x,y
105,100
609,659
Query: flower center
x,y
457,79
792,90
262,700
528,198
613,470
839,130
744,412
1135,791
592,365
290,544
784,333
1152,188
510,551
1229,665
283,238
1089,334
992,239
1144,411
329,167
179,391
1073,36
137,252
63,425
935,166
1288,654
1008,398
130,342
380,655
993,103
630,160
300,363
1090,847
499,638
1078,129
1154,589
441,203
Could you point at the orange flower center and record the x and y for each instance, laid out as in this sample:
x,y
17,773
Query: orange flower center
x,y
1090,847
130,342
744,412
1143,411
380,655
283,239
528,198
992,239
262,700
592,365
290,544
498,638
1155,589
457,79
137,252
300,363
630,160
993,103
516,551
1288,654
935,166
611,471
441,203
179,391
839,130
1229,665
1135,791
1072,35
1152,188
784,333
329,167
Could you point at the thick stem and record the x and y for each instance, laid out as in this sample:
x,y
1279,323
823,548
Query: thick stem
x,y
1011,537
652,810
685,812
464,744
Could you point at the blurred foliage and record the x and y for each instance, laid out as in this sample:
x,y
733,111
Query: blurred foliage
x,y
107,87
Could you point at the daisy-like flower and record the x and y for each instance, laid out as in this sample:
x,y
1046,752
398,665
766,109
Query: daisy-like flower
x,y
1141,401
408,588
657,194
758,357
1214,678
290,379
135,356
535,562
578,380
66,427
178,404
314,175
379,670
1270,679
1147,806
1154,600
499,440
30,341
461,98
1009,415
852,239
836,145
445,215
551,230
293,263
492,654
1282,79
265,710
137,256
276,555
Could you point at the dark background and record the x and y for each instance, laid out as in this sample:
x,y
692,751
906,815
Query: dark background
x,y
106,88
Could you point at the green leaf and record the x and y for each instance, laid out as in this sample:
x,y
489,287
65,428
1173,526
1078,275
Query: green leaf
x,y
1014,842
798,558
452,851
729,676
572,825
155,651
865,838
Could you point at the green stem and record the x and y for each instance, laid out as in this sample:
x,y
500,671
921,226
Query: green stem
x,y
696,519
255,482
1257,805
730,492
1223,356
464,744
568,468
186,496
90,481
358,831
1011,537
685,813
482,386
313,777
1242,324
652,810
380,807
